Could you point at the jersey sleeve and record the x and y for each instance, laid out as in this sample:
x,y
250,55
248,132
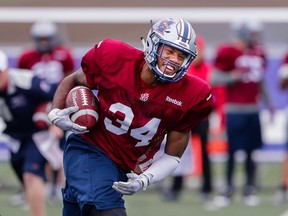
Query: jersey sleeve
x,y
108,60
90,66
22,62
224,60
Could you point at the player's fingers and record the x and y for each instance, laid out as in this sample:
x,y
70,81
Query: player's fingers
x,y
78,129
119,190
122,184
80,132
127,186
123,190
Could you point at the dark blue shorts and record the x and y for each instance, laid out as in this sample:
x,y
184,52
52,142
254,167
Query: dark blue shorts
x,y
90,174
243,131
28,159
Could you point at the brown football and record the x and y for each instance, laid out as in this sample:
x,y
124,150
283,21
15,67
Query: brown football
x,y
88,104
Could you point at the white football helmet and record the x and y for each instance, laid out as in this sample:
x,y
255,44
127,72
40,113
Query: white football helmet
x,y
3,61
249,31
174,32
44,35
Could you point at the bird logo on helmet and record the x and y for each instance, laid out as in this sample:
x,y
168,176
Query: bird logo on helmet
x,y
164,26
174,32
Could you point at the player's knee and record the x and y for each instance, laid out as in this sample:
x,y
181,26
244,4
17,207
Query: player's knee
x,y
31,178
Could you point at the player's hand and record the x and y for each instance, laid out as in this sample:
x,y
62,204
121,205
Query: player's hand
x,y
134,184
61,119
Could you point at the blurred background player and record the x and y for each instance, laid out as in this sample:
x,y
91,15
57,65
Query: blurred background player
x,y
240,66
201,68
49,59
281,196
20,92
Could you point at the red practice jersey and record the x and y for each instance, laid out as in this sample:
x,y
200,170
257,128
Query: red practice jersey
x,y
251,63
286,59
134,116
202,70
54,65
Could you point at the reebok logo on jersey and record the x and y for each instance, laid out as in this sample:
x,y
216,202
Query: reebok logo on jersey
x,y
174,101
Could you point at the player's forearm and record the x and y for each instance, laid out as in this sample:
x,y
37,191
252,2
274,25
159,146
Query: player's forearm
x,y
77,78
220,78
161,168
62,91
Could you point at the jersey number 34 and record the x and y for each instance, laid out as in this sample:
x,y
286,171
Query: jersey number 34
x,y
144,134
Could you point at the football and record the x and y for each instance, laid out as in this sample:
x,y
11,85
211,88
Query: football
x,y
40,117
88,104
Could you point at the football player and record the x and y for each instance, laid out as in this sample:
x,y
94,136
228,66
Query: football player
x,y
20,92
50,60
143,96
240,67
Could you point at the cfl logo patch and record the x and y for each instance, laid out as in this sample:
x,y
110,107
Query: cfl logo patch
x,y
144,96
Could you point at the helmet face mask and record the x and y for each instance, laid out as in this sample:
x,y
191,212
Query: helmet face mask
x,y
44,44
163,59
176,33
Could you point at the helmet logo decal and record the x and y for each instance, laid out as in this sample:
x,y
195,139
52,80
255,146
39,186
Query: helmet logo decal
x,y
164,26
184,32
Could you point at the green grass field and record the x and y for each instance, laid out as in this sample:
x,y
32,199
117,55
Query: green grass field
x,y
150,203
